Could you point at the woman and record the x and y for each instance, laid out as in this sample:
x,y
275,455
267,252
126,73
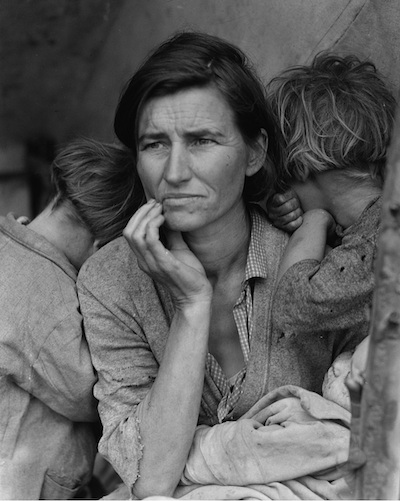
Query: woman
x,y
179,328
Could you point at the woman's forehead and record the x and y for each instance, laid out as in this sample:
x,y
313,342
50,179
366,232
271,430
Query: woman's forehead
x,y
190,109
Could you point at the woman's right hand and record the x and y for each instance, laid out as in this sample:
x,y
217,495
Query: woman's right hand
x,y
166,434
177,268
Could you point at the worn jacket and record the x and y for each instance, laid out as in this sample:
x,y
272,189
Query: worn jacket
x,y
127,317
47,408
336,293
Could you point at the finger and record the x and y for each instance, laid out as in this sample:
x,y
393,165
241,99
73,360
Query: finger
x,y
153,249
264,414
151,229
293,225
143,235
291,206
290,226
153,257
277,418
290,193
137,228
286,213
147,239
283,198
139,216
291,216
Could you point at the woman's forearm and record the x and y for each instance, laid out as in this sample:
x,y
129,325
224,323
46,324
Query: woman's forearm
x,y
169,413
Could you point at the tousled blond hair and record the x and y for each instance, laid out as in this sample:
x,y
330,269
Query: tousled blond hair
x,y
337,113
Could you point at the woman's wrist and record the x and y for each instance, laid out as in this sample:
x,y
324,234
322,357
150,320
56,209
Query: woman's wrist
x,y
195,307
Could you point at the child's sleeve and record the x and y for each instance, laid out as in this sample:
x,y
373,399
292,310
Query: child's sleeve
x,y
333,294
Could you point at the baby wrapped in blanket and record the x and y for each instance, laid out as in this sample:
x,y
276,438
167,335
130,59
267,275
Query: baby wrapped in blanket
x,y
274,451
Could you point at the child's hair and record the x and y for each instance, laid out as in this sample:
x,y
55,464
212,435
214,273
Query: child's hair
x,y
96,182
337,113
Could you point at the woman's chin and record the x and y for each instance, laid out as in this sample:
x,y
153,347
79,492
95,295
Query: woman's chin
x,y
181,222
180,226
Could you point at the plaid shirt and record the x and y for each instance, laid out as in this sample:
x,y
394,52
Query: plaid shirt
x,y
243,314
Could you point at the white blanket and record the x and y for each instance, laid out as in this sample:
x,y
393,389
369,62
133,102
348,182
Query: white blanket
x,y
290,445
257,458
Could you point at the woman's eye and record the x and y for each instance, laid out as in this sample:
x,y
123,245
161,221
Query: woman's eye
x,y
203,141
152,146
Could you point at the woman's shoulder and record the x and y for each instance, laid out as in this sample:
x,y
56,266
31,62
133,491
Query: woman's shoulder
x,y
115,262
274,239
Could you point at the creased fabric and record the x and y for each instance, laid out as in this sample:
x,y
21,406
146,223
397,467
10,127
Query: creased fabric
x,y
287,461
127,317
317,302
47,409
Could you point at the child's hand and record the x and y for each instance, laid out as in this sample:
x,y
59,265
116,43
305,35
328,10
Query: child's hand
x,y
285,211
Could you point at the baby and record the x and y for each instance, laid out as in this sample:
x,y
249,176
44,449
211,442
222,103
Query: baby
x,y
347,364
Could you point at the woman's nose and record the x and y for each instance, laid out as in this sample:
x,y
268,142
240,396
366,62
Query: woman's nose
x,y
177,168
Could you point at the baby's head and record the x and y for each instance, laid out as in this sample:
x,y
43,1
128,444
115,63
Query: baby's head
x,y
334,387
346,364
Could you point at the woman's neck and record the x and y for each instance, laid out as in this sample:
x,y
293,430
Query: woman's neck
x,y
222,249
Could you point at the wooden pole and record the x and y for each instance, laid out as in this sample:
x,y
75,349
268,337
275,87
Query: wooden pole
x,y
379,477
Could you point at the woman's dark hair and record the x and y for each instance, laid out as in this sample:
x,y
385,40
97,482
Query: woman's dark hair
x,y
193,59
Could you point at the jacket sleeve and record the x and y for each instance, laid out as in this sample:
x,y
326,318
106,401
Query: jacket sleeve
x,y
63,376
333,294
59,372
125,365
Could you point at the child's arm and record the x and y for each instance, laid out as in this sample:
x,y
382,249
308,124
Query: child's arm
x,y
284,211
331,294
309,240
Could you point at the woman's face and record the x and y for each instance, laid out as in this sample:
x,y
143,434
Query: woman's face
x,y
193,159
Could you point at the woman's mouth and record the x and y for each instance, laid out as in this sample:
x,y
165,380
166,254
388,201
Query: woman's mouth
x,y
179,200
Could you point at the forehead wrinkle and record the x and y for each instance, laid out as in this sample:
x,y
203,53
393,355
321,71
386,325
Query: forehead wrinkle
x,y
185,116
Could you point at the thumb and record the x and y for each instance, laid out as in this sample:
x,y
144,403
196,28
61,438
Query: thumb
x,y
174,240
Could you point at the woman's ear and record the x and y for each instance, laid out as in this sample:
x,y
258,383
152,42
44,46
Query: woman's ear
x,y
258,154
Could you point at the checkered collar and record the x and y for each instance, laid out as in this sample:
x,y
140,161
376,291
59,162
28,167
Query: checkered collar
x,y
256,265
